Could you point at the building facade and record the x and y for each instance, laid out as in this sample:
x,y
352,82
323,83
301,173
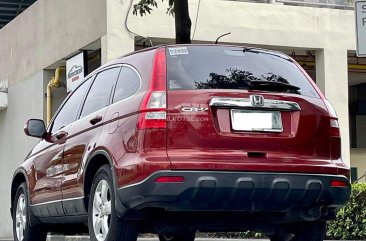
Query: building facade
x,y
321,36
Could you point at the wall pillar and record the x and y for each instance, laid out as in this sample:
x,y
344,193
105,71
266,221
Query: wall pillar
x,y
332,79
118,41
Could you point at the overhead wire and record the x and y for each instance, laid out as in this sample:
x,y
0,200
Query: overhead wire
x,y
128,29
197,14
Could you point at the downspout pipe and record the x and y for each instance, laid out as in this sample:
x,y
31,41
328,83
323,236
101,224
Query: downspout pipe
x,y
55,82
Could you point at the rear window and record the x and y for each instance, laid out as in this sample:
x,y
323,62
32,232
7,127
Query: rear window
x,y
223,67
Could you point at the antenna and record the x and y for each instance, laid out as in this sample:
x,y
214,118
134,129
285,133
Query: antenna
x,y
217,40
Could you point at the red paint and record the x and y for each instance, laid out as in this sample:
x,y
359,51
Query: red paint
x,y
201,140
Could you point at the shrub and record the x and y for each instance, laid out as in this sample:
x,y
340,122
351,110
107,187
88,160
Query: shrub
x,y
350,222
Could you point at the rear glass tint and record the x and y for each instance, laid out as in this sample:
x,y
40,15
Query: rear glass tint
x,y
223,67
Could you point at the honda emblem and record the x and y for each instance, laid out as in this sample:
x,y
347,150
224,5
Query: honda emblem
x,y
257,100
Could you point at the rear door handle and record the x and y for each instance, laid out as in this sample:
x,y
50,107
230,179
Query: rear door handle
x,y
95,120
60,135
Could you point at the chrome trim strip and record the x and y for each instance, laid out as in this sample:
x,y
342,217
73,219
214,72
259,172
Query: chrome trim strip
x,y
245,102
55,201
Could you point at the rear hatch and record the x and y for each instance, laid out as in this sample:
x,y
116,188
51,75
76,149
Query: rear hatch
x,y
235,108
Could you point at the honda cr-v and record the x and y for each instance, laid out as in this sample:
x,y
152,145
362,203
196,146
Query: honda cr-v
x,y
175,139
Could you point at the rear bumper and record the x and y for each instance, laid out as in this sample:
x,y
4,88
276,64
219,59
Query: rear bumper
x,y
237,191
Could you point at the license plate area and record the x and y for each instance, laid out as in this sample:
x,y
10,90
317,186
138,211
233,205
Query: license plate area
x,y
256,120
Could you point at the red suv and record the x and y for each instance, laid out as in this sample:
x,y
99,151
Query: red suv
x,y
180,138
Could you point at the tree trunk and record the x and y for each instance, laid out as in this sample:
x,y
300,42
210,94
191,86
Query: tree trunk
x,y
182,22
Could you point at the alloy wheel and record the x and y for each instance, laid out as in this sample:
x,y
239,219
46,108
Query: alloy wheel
x,y
20,217
102,210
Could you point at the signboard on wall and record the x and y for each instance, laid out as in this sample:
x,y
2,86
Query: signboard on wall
x,y
360,14
4,86
3,94
75,71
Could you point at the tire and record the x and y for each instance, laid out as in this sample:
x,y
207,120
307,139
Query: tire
x,y
186,236
310,231
22,230
103,222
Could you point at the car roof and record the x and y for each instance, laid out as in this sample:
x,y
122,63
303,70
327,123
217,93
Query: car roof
x,y
154,48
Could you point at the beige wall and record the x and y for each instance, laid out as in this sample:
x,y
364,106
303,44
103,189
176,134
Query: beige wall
x,y
117,41
47,32
358,159
25,102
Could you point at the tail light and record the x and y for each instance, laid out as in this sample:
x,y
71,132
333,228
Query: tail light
x,y
153,105
335,136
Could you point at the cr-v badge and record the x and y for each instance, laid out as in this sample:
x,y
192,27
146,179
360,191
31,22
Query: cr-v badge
x,y
194,109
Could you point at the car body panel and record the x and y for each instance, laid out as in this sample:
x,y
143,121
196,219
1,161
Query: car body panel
x,y
83,137
47,163
196,139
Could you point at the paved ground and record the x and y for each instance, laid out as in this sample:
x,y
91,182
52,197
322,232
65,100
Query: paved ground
x,y
70,238
86,238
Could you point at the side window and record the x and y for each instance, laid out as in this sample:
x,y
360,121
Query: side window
x,y
127,85
69,110
100,92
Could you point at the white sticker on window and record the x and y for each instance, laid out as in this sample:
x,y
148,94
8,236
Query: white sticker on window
x,y
178,51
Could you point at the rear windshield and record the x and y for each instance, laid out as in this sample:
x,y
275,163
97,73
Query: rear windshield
x,y
223,67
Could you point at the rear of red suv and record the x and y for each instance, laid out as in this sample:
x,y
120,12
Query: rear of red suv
x,y
252,143
184,138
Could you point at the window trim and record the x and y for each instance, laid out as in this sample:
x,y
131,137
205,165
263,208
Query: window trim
x,y
78,116
50,126
92,76
115,86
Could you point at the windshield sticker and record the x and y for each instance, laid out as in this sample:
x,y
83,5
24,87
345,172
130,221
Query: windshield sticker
x,y
178,51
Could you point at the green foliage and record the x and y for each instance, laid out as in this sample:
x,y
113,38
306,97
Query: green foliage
x,y
144,7
351,220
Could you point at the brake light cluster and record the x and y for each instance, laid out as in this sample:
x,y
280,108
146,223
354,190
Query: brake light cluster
x,y
335,136
153,105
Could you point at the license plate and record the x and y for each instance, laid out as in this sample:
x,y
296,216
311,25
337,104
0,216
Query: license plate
x,y
253,120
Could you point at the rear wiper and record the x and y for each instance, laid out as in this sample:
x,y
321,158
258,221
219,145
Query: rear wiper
x,y
263,84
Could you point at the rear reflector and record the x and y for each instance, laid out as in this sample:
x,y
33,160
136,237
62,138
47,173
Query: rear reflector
x,y
337,183
334,123
157,100
168,179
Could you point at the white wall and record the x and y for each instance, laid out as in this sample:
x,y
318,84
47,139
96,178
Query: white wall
x,y
25,102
